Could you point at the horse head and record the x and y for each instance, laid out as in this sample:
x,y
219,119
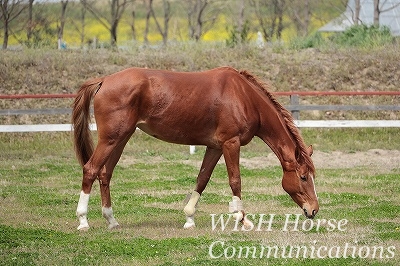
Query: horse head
x,y
299,184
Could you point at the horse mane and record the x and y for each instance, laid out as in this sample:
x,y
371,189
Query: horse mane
x,y
287,117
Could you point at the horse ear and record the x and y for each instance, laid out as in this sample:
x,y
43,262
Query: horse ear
x,y
310,150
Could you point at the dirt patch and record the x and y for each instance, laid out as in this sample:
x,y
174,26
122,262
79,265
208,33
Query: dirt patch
x,y
375,158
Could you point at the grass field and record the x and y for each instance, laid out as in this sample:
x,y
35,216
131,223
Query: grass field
x,y
40,183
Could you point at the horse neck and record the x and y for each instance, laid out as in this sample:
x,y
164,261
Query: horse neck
x,y
275,133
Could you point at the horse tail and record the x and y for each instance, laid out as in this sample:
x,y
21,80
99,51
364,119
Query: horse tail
x,y
83,142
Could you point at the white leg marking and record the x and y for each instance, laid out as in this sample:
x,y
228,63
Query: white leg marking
x,y
108,214
236,207
247,224
190,209
81,211
238,216
189,222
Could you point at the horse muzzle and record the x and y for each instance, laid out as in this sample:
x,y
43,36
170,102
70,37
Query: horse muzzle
x,y
310,211
308,214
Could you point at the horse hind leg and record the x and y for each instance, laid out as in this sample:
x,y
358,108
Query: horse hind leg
x,y
81,211
104,181
106,209
94,169
91,171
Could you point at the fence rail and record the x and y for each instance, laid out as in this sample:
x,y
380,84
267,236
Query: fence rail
x,y
277,93
295,107
299,123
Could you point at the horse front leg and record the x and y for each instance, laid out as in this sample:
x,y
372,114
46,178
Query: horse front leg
x,y
104,180
231,151
211,158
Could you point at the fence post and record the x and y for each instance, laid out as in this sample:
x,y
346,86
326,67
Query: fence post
x,y
295,101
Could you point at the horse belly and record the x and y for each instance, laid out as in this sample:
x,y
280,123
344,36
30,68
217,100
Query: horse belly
x,y
187,134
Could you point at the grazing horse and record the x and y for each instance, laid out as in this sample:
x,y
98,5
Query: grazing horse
x,y
222,109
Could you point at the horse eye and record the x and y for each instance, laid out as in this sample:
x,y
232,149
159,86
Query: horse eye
x,y
303,177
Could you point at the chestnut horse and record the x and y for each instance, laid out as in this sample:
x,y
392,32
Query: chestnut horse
x,y
222,109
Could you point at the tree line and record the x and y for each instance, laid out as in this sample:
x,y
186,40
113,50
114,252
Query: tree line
x,y
29,21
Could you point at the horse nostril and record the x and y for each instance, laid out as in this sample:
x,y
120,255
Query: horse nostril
x,y
314,213
305,211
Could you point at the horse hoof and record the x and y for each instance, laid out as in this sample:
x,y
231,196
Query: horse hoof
x,y
189,226
114,226
238,216
84,228
189,222
247,224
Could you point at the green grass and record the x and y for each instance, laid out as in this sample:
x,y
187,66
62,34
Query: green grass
x,y
141,145
40,183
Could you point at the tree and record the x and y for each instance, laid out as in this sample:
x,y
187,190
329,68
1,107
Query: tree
x,y
269,14
62,22
110,23
79,24
239,33
163,30
30,20
201,15
378,9
9,11
356,17
132,25
167,15
300,14
148,4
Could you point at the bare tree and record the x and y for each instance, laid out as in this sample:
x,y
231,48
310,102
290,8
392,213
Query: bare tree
x,y
300,14
377,12
30,20
201,15
62,22
83,24
10,10
163,30
356,17
80,24
239,32
133,24
110,23
279,9
148,4
241,25
167,15
269,14
378,9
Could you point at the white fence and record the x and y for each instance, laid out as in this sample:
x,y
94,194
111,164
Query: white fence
x,y
299,123
295,107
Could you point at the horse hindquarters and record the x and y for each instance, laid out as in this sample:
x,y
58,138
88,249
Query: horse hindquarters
x,y
115,125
